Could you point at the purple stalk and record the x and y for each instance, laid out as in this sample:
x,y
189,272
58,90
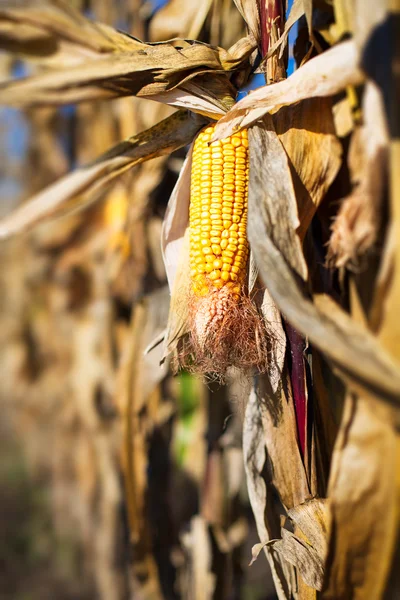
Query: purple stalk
x,y
271,11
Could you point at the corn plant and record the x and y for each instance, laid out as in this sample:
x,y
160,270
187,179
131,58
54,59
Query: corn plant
x,y
280,248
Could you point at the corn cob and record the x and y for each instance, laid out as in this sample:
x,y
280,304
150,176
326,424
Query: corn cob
x,y
218,214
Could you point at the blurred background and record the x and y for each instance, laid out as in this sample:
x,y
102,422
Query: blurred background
x,y
115,482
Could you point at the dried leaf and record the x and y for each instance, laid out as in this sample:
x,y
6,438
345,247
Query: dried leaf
x,y
344,17
358,222
311,521
304,557
307,133
115,64
267,523
281,219
379,373
367,15
364,502
40,27
138,377
249,12
205,97
176,220
327,407
255,552
148,71
279,426
243,47
277,341
324,75
79,188
178,321
198,546
179,19
283,224
348,345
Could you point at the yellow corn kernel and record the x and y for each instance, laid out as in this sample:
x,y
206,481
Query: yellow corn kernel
x,y
227,259
228,253
225,276
218,283
216,274
218,213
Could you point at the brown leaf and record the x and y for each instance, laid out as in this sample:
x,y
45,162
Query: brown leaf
x,y
205,96
279,427
198,546
324,75
178,18
144,71
307,133
43,22
138,377
250,13
243,47
281,219
350,346
359,220
364,502
255,552
92,61
327,403
311,520
267,523
304,557
344,17
80,187
379,373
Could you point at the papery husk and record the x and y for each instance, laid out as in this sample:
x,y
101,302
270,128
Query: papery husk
x,y
359,356
324,75
175,248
